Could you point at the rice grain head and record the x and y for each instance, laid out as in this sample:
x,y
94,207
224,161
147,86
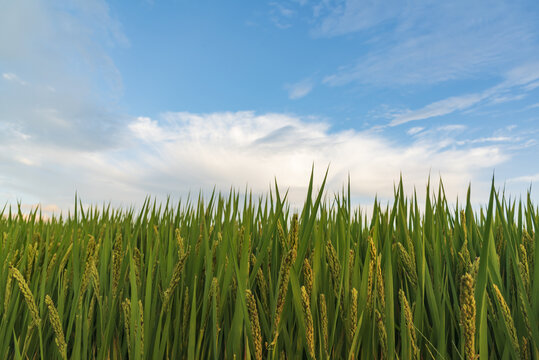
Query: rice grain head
x,y
263,289
308,276
91,310
284,275
199,240
351,263
126,307
467,315
408,317
56,324
86,275
294,237
529,243
117,255
186,312
508,319
334,266
28,296
7,294
308,319
370,283
380,287
215,291
52,262
324,322
65,258
524,268
353,315
31,254
179,241
255,324
282,237
141,312
525,349
382,334
407,265
137,260
174,281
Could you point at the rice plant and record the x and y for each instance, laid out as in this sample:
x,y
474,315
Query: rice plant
x,y
237,277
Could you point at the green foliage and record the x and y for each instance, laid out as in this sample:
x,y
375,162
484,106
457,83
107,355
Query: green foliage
x,y
209,279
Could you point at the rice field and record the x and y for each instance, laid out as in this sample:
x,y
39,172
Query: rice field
x,y
238,277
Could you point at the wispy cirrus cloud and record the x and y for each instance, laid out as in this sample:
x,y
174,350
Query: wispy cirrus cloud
x,y
299,89
438,108
515,87
525,179
280,15
427,43
13,77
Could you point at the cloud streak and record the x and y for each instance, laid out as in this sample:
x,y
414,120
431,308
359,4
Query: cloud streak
x,y
428,43
525,179
515,87
438,108
299,89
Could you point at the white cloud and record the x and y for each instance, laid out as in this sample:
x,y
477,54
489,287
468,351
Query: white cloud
x,y
182,152
525,179
299,89
490,139
415,130
13,77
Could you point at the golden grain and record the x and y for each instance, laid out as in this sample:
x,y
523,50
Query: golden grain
x,y
255,325
284,275
308,276
27,293
467,315
405,261
353,315
508,319
176,275
382,334
324,321
308,321
56,323
117,255
409,320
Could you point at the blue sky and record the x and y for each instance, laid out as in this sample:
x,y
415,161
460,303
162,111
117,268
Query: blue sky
x,y
120,99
